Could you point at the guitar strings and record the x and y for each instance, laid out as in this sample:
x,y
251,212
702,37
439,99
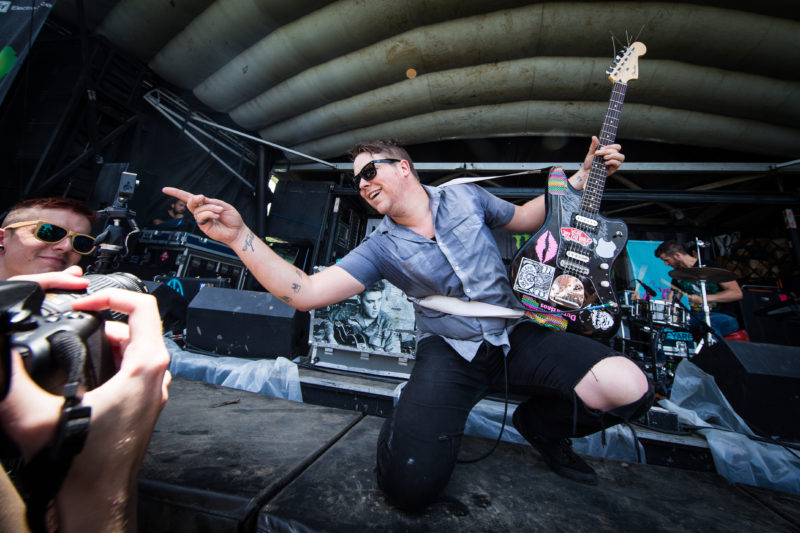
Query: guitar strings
x,y
590,200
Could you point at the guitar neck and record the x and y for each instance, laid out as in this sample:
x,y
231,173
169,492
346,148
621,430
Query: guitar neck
x,y
593,191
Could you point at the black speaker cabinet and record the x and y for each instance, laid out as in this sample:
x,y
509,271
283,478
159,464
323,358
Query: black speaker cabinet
x,y
769,316
761,382
171,305
188,287
245,324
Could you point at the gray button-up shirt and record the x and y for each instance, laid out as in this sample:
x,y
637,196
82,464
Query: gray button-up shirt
x,y
462,261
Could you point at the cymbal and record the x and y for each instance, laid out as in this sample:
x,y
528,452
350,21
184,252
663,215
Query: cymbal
x,y
709,274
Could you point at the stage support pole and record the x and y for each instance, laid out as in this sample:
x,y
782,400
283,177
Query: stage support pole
x,y
261,195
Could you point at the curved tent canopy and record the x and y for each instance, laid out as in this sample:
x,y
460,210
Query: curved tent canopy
x,y
318,75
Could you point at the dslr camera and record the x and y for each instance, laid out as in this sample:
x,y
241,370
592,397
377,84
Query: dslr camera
x,y
58,344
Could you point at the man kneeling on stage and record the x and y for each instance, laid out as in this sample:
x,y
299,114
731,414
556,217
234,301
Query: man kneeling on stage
x,y
432,241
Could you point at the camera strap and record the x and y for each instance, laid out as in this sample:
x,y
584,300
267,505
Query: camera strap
x,y
43,475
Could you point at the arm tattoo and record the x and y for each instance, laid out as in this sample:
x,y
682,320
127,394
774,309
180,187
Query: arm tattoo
x,y
295,287
248,243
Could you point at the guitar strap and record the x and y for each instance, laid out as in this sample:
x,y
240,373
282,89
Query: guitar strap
x,y
457,181
454,306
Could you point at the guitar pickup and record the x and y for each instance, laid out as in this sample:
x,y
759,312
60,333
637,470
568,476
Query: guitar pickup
x,y
574,266
577,256
586,220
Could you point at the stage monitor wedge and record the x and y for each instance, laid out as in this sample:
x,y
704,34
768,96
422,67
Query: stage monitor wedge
x,y
249,324
761,382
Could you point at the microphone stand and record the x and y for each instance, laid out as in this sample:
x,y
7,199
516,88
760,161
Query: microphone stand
x,y
654,338
708,331
704,294
655,341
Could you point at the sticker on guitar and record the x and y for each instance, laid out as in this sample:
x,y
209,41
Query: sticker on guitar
x,y
602,320
567,291
576,235
534,278
546,247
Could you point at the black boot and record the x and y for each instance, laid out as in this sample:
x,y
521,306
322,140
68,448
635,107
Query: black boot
x,y
556,452
547,422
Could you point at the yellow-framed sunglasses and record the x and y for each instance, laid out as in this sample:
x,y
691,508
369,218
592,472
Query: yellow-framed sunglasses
x,y
51,233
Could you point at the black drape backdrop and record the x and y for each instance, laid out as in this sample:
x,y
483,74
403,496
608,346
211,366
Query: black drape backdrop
x,y
162,155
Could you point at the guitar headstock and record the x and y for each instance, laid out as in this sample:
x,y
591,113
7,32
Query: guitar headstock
x,y
626,64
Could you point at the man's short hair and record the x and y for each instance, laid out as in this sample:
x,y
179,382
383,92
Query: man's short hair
x,y
378,286
15,213
389,147
670,247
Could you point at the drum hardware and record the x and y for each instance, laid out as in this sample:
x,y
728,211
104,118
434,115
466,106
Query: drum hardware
x,y
654,333
626,299
660,312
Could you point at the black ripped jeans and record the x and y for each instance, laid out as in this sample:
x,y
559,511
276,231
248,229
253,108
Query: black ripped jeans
x,y
418,446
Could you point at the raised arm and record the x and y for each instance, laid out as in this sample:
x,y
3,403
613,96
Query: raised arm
x,y
530,216
222,222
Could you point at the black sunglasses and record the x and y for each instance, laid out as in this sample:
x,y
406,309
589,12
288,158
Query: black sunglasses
x,y
51,234
368,172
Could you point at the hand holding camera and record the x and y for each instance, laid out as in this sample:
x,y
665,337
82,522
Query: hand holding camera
x,y
98,490
124,412
60,345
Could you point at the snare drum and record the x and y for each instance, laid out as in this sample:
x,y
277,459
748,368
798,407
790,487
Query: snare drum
x,y
668,314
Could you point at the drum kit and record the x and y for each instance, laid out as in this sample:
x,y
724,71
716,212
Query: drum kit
x,y
656,333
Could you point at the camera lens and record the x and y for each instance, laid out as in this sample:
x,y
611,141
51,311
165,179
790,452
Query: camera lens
x,y
61,301
5,356
121,280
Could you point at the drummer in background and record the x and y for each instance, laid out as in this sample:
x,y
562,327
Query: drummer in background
x,y
721,296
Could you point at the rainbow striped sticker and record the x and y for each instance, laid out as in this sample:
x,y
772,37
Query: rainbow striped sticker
x,y
543,319
557,182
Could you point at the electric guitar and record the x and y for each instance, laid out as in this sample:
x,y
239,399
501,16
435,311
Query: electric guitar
x,y
561,275
347,335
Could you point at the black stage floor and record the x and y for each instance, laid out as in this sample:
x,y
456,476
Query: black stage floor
x,y
223,460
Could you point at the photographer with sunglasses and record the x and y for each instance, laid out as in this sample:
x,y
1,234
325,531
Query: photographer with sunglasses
x,y
438,241
44,235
